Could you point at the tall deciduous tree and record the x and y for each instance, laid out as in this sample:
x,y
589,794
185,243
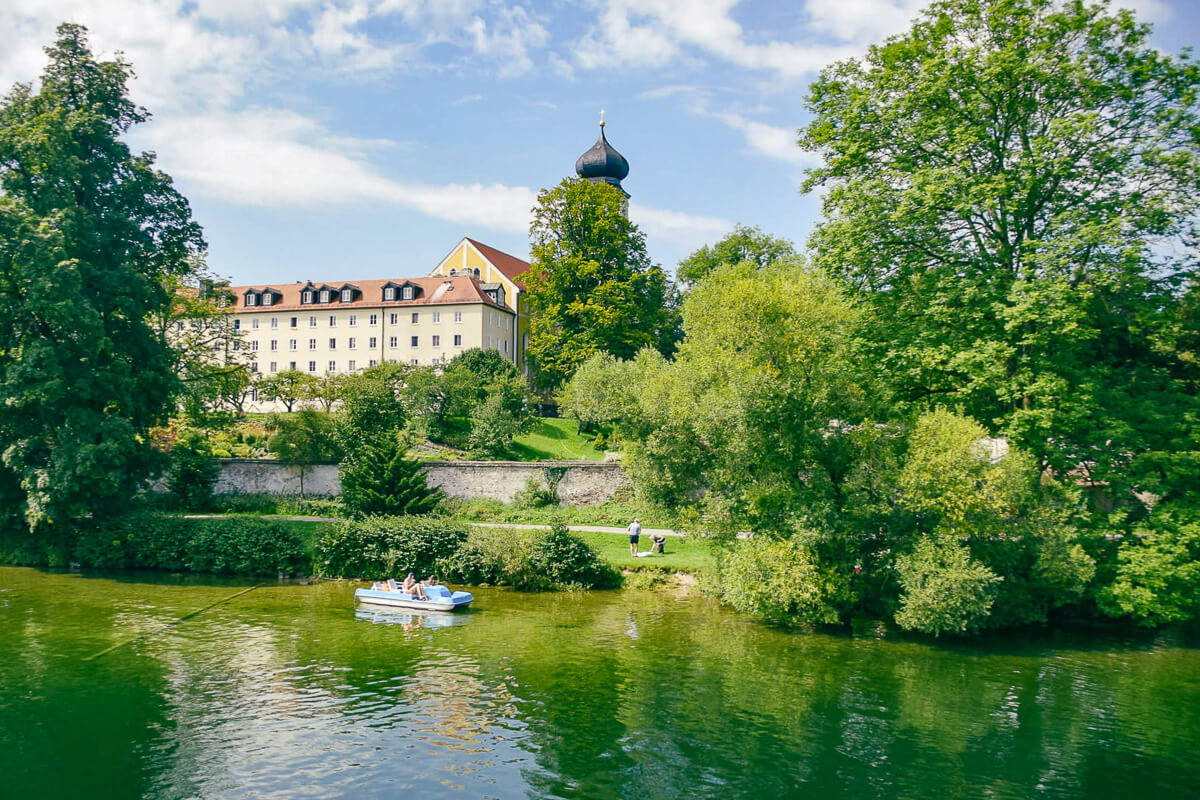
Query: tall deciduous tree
x,y
591,284
741,244
90,236
1012,184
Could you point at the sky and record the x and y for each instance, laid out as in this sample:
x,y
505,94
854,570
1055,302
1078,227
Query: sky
x,y
357,139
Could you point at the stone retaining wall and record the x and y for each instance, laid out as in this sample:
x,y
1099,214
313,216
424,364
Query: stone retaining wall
x,y
582,483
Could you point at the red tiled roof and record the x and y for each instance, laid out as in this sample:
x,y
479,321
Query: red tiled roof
x,y
511,266
460,290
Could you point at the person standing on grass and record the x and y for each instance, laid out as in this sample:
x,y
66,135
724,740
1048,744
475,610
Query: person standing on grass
x,y
635,530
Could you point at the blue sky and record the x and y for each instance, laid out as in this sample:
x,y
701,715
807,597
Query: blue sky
x,y
322,139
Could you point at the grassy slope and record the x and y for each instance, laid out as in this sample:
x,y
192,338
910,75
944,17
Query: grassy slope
x,y
554,439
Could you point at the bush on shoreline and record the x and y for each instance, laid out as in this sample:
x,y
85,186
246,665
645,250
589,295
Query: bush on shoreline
x,y
238,546
528,561
377,547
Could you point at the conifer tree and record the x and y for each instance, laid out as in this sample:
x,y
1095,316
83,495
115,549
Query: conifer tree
x,y
379,479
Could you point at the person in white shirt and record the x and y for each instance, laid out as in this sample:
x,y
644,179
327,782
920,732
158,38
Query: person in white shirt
x,y
635,530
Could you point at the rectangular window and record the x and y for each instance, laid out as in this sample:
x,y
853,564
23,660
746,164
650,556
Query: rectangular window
x,y
254,345
353,320
408,293
237,324
347,295
437,317
416,317
372,363
458,316
291,344
393,342
254,395
332,366
415,362
274,322
437,341
458,340
274,345
291,365
489,341
312,322
351,365
506,345
333,344
393,319
389,293
352,343
324,295
373,319
306,297
372,343
312,344
295,321
274,366
254,366
333,320
254,323
312,366
414,342
251,300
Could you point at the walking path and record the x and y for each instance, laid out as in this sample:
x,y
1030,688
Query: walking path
x,y
509,525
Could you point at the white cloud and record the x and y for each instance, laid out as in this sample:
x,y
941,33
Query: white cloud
x,y
653,33
278,158
676,226
1147,10
768,140
862,20
467,98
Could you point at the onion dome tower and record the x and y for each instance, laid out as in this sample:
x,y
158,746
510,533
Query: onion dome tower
x,y
603,164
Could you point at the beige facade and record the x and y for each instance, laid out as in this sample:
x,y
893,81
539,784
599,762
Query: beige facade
x,y
494,268
322,329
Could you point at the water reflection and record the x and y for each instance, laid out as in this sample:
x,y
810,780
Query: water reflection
x,y
411,620
288,691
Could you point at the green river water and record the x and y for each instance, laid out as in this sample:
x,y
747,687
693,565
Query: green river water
x,y
288,692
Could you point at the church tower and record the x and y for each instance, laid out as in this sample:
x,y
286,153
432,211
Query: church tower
x,y
603,164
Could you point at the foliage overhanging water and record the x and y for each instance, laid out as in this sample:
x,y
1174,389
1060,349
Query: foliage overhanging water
x,y
287,691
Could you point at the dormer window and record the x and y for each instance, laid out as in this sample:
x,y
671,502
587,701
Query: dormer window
x,y
251,299
389,293
306,297
408,293
324,295
347,295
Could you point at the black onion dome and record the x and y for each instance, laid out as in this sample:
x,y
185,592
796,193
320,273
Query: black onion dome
x,y
602,163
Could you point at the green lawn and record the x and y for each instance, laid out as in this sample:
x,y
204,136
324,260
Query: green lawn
x,y
685,554
555,439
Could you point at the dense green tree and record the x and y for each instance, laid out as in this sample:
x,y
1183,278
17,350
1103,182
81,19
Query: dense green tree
x,y
192,472
304,438
372,405
605,390
781,581
505,412
743,417
326,390
741,244
288,387
591,285
1012,186
378,479
91,237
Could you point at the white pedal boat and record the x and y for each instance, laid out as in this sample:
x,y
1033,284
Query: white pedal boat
x,y
440,598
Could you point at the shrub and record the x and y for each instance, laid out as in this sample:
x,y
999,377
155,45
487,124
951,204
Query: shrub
x,y
192,472
566,560
238,546
1158,574
493,556
945,590
377,547
779,580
